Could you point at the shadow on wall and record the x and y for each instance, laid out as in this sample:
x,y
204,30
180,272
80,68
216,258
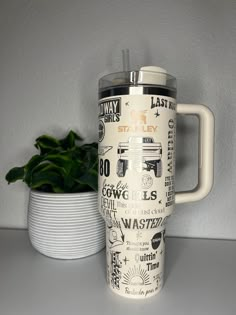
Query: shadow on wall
x,y
186,151
87,98
184,130
190,91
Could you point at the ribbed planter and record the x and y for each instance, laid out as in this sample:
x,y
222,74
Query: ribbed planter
x,y
65,226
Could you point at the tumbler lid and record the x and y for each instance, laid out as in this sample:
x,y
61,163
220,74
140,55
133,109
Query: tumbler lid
x,y
152,75
149,75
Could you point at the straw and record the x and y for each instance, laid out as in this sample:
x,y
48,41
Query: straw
x,y
125,59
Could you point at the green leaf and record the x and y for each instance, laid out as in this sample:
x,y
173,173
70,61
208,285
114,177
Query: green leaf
x,y
69,182
47,166
69,141
16,173
86,157
41,166
46,143
62,160
77,168
89,146
90,179
33,162
47,178
61,166
78,187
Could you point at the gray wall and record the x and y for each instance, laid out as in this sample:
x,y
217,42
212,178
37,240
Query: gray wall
x,y
52,54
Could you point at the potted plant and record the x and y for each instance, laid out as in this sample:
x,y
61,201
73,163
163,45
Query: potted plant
x,y
63,218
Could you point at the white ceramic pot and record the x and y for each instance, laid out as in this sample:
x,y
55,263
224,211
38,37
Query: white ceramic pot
x,y
65,226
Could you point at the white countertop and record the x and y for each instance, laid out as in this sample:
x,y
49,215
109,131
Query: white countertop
x,y
200,279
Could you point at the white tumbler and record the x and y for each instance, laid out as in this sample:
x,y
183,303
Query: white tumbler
x,y
137,131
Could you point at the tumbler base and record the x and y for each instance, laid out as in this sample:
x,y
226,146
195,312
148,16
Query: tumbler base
x,y
136,293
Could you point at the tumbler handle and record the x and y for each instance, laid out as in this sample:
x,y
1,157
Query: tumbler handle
x,y
205,152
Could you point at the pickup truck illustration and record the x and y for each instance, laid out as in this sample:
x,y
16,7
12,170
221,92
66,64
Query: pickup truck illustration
x,y
139,153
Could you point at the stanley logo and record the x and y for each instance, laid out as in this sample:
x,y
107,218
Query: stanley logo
x,y
138,117
138,122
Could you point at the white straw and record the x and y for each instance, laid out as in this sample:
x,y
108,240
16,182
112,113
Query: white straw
x,y
125,59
